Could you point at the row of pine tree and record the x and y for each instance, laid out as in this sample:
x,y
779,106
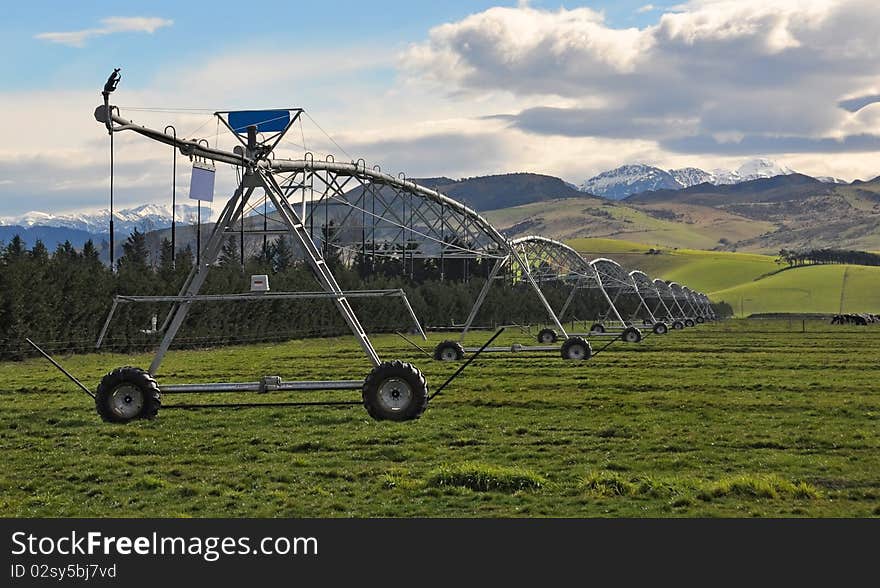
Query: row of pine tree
x,y
60,299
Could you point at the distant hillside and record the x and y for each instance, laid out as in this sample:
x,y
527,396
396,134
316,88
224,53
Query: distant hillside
x,y
50,236
750,283
503,191
819,288
669,226
765,215
804,212
775,189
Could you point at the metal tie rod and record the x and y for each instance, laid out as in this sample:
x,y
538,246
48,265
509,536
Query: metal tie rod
x,y
467,363
63,371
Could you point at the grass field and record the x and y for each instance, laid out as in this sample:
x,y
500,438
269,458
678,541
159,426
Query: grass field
x,y
741,419
751,283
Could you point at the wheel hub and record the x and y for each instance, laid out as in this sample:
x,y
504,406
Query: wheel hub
x,y
395,394
127,401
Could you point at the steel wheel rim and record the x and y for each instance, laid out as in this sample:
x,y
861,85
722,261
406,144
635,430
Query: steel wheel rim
x,y
577,352
127,401
395,394
448,354
546,338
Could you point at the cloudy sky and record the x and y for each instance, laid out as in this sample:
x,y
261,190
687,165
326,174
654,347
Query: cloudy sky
x,y
455,88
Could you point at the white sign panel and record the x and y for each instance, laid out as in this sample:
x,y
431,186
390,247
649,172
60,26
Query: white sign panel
x,y
201,185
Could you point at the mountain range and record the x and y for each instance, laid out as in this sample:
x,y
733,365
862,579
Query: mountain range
x,y
144,218
763,215
618,183
685,207
80,227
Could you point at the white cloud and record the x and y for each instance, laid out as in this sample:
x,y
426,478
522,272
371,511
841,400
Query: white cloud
x,y
766,73
708,85
646,8
109,26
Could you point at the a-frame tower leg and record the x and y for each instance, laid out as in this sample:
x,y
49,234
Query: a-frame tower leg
x,y
482,296
231,213
316,261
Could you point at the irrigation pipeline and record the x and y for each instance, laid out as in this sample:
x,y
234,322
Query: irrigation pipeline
x,y
261,404
274,404
332,403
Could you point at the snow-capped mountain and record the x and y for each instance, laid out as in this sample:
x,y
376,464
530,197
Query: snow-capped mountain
x,y
619,183
691,176
831,180
623,181
753,169
143,218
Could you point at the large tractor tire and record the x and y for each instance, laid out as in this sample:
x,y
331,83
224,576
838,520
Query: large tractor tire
x,y
395,391
631,335
577,349
449,351
128,393
547,337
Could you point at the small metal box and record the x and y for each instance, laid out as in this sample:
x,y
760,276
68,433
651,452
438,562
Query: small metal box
x,y
260,283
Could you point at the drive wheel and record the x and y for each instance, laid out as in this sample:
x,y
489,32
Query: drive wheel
x,y
127,393
449,351
395,391
597,328
547,336
700,320
576,348
632,335
689,322
677,325
660,329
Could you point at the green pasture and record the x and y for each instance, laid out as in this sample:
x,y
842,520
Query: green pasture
x,y
821,288
751,283
741,419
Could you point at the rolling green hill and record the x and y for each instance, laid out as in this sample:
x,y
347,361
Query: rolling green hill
x,y
749,282
821,288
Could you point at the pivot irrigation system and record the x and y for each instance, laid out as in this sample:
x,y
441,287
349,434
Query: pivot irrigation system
x,y
616,286
359,214
533,260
